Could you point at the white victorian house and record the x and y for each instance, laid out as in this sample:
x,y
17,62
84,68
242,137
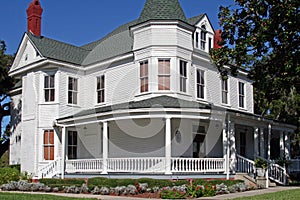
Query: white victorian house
x,y
145,100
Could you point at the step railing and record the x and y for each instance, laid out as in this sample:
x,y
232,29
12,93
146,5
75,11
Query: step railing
x,y
245,165
202,165
276,172
84,165
136,165
50,170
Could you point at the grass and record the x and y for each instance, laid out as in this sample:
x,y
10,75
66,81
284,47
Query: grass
x,y
282,195
15,196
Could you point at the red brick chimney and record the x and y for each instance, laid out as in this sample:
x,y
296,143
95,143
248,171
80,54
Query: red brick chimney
x,y
217,39
34,16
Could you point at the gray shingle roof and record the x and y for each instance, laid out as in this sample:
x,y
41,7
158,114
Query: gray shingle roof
x,y
116,43
54,49
162,10
155,102
194,20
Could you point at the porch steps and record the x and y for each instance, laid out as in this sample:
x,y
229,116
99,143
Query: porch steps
x,y
247,178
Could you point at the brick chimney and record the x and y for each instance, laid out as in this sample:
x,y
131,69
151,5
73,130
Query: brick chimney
x,y
34,16
217,39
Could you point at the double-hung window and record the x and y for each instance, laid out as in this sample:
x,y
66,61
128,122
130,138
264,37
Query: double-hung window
x,y
203,37
49,144
49,88
183,75
72,144
72,90
224,91
200,84
144,76
164,74
101,89
241,95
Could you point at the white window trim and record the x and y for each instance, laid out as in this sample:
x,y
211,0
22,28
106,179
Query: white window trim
x,y
228,93
140,78
205,85
238,95
186,78
164,75
101,103
67,85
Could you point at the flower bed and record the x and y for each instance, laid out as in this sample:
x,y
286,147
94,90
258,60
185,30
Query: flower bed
x,y
150,188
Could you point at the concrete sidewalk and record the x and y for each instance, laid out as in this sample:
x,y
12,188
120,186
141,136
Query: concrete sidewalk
x,y
224,196
249,193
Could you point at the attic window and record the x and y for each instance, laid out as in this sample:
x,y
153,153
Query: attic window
x,y
26,57
36,3
203,37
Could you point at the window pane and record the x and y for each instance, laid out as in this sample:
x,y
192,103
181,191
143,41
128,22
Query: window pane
x,y
46,153
46,84
52,95
51,81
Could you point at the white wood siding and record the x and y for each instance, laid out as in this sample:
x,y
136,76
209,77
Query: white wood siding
x,y
16,130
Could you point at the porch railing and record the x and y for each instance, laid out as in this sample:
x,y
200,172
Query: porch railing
x,y
277,173
198,165
51,169
136,165
84,165
245,165
294,165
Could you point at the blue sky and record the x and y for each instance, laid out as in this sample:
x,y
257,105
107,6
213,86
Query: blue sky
x,y
82,21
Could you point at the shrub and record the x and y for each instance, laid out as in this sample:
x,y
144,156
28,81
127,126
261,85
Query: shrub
x,y
172,194
62,182
9,174
260,163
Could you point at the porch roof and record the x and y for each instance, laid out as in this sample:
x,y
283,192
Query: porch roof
x,y
155,102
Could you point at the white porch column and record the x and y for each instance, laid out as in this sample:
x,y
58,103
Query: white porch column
x,y
225,152
287,147
168,147
105,147
256,140
281,144
63,151
232,146
262,143
269,153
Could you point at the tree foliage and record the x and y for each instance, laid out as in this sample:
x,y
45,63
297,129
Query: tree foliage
x,y
262,36
6,84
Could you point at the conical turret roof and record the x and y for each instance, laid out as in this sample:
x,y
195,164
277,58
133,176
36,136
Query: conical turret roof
x,y
162,10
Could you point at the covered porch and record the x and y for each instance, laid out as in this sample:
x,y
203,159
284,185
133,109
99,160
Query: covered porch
x,y
180,140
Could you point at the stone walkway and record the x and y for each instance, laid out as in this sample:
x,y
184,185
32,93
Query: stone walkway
x,y
225,196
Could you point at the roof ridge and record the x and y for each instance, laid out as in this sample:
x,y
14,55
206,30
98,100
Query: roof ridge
x,y
55,40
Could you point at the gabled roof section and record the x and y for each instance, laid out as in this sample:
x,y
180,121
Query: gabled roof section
x,y
57,50
162,10
194,20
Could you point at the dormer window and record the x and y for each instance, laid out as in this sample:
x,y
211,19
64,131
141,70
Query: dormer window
x,y
203,37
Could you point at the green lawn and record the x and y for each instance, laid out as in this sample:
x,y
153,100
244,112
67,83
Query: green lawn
x,y
283,195
15,196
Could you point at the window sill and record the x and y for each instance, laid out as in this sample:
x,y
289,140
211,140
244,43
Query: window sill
x,y
49,103
73,105
204,101
100,104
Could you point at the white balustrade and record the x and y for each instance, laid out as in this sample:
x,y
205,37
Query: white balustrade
x,y
203,165
84,165
50,170
245,165
277,173
137,165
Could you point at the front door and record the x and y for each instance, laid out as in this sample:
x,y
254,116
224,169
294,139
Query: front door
x,y
199,146
243,144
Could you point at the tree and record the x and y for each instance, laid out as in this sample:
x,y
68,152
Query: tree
x,y
262,36
6,84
